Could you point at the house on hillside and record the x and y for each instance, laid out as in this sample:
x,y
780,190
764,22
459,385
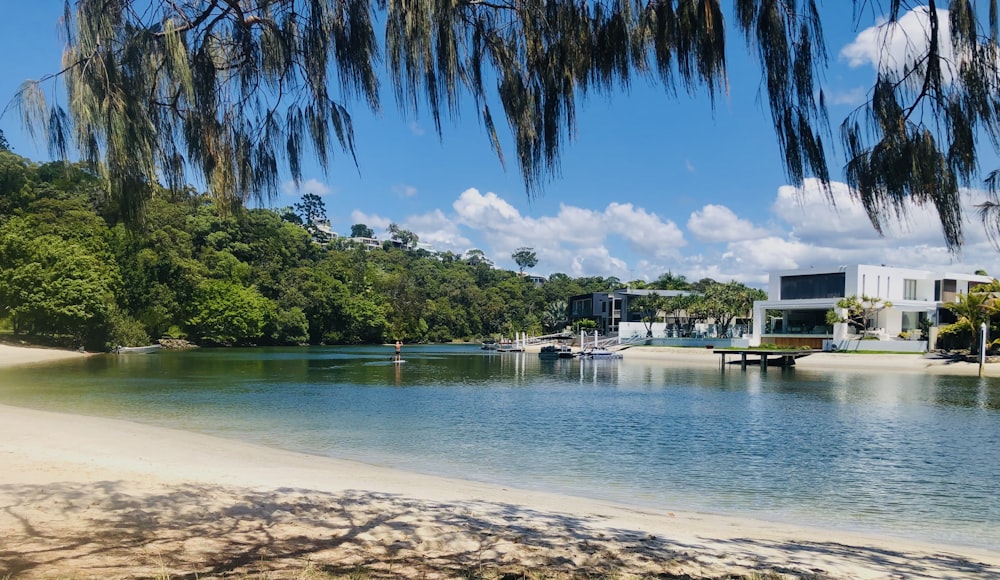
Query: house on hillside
x,y
794,313
367,243
533,278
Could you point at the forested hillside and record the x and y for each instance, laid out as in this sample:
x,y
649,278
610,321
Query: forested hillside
x,y
72,274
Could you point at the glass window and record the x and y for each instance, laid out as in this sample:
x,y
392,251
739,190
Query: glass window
x,y
909,289
813,286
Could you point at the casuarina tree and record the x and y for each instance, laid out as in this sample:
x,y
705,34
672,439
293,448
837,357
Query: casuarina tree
x,y
242,90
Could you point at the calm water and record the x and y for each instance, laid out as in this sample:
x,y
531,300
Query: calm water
x,y
908,455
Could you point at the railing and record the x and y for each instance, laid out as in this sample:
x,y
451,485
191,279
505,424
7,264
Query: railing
x,y
547,338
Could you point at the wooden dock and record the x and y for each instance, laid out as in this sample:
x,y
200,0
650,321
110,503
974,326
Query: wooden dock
x,y
782,358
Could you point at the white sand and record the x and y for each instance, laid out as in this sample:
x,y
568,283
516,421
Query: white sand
x,y
84,497
819,360
20,355
100,497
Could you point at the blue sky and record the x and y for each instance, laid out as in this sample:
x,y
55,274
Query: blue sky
x,y
651,183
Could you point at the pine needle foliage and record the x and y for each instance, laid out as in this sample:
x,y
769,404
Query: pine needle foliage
x,y
915,142
240,91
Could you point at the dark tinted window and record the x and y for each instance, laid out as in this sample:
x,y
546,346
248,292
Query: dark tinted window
x,y
813,286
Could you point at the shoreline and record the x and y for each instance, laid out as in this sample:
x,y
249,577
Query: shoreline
x,y
97,497
26,355
701,357
110,497
824,361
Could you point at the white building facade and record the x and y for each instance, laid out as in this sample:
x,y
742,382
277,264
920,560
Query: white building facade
x,y
794,314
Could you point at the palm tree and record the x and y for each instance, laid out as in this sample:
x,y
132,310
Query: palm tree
x,y
973,309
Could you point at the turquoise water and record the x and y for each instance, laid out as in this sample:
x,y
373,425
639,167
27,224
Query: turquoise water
x,y
898,454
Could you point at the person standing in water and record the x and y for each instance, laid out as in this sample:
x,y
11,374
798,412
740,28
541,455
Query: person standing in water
x,y
399,350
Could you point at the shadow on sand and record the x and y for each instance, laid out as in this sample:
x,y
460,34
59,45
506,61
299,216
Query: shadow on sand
x,y
195,531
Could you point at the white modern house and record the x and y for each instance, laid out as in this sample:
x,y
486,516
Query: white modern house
x,y
795,312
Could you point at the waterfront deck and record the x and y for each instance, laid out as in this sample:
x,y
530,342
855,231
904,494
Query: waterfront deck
x,y
783,358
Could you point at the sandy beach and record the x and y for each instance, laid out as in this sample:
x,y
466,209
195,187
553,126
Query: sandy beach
x,y
24,355
86,497
819,360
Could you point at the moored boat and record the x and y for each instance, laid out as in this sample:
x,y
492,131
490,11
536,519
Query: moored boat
x,y
149,349
552,351
600,354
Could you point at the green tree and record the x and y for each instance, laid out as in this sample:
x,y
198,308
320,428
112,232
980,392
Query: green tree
x,y
53,287
289,327
405,238
16,175
4,144
224,312
727,302
858,312
524,258
973,309
476,257
311,209
671,281
362,231
648,306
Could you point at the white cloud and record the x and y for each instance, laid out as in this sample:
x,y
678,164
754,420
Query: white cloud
x,y
416,129
899,46
438,230
852,97
717,223
804,229
836,218
646,233
824,236
314,186
480,209
404,190
596,262
574,238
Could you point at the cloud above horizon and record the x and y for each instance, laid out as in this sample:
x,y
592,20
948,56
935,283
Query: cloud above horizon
x,y
899,46
313,185
803,228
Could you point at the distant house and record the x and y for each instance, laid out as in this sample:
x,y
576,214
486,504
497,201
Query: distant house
x,y
664,324
794,313
369,243
321,231
617,312
601,307
533,278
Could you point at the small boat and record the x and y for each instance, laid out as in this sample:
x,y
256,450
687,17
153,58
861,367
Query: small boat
x,y
552,351
488,345
600,354
150,349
